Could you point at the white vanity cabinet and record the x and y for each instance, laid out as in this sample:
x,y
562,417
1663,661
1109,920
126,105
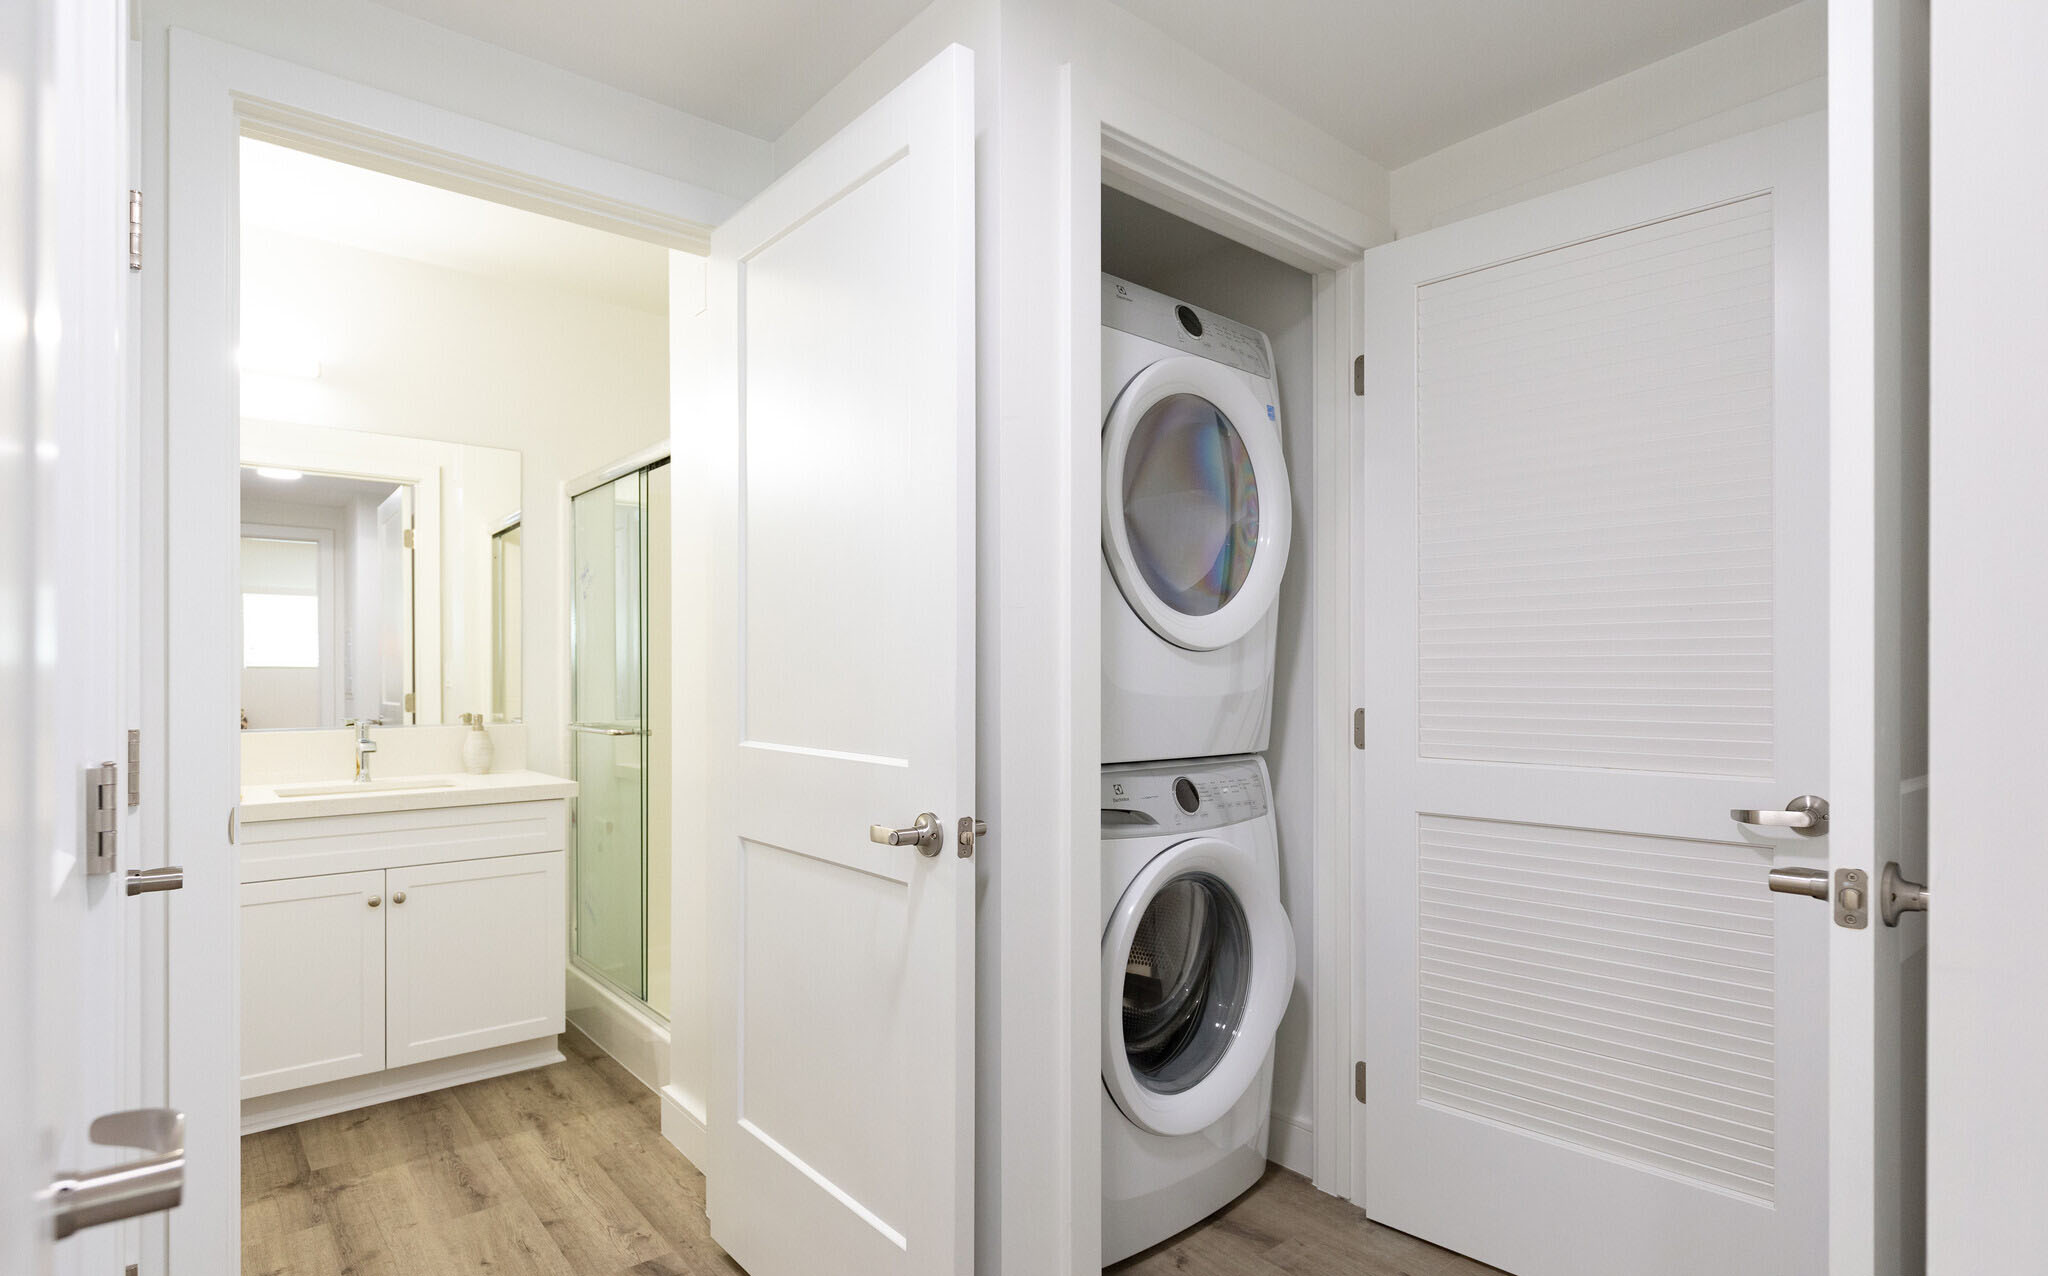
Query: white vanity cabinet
x,y
388,952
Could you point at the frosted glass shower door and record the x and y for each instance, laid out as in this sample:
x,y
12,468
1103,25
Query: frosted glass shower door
x,y
608,736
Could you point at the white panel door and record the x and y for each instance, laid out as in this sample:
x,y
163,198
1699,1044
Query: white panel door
x,y
312,980
474,955
1593,531
836,419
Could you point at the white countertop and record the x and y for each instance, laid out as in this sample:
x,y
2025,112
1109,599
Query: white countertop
x,y
266,802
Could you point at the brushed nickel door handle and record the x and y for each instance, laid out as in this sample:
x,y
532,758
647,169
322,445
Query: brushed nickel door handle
x,y
156,1182
924,833
1805,814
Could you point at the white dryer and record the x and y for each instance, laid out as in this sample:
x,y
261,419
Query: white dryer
x,y
1196,520
1197,968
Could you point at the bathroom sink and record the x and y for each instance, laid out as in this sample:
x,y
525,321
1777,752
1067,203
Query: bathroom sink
x,y
357,786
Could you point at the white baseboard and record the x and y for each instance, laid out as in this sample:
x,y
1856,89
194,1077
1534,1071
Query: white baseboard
x,y
289,1107
623,1028
685,1129
1292,1145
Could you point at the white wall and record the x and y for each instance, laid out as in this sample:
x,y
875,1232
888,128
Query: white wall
x,y
1772,70
570,382
1162,252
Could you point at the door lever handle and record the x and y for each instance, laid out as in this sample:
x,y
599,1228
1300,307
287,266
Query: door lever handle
x,y
924,833
1897,896
1800,881
156,1182
1806,814
141,881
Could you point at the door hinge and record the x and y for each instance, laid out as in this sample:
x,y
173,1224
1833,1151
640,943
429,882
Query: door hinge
x,y
408,697
408,538
1358,376
1358,728
1358,1080
134,230
134,768
102,798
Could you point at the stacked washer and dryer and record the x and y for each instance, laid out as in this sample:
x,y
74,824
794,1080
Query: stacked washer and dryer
x,y
1198,955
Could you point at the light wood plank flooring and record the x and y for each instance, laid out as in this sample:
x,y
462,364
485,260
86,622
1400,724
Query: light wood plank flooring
x,y
1285,1227
563,1172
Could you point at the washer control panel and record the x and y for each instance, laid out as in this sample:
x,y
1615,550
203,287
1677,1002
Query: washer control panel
x,y
1158,317
1153,798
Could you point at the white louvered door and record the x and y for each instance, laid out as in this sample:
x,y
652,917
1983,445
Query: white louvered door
x,y
1593,545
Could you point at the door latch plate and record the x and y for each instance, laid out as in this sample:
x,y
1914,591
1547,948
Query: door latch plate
x,y
1852,898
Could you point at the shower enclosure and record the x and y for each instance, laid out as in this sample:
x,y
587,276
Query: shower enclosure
x,y
619,732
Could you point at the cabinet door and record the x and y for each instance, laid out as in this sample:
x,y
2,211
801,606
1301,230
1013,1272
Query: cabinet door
x,y
476,955
312,980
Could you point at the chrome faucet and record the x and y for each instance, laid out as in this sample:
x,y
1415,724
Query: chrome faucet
x,y
365,746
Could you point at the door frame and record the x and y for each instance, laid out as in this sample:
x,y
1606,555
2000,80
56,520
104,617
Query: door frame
x,y
218,93
1113,138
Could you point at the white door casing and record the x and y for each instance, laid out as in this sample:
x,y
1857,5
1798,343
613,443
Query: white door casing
x,y
834,409
1593,546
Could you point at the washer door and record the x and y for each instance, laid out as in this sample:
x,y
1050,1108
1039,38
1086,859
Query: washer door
x,y
1197,965
1196,515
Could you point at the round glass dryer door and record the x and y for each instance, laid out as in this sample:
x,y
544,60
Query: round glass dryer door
x,y
1198,961
1196,518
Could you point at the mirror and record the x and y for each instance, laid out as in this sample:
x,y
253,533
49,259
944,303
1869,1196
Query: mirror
x,y
380,578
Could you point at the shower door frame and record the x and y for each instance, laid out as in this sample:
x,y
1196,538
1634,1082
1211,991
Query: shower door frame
x,y
645,459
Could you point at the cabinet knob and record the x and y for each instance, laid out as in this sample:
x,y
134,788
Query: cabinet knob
x,y
376,900
398,897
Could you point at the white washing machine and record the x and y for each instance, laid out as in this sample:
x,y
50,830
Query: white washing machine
x,y
1196,520
1197,968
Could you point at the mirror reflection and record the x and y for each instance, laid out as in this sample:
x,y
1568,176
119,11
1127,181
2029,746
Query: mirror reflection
x,y
380,579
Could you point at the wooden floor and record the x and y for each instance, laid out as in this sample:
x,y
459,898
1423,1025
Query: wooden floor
x,y
563,1172
1285,1227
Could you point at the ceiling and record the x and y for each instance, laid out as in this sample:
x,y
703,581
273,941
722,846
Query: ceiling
x,y
324,491
1394,79
751,65
1398,79
295,193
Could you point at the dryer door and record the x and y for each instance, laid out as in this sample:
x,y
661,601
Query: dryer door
x,y
1196,516
1197,965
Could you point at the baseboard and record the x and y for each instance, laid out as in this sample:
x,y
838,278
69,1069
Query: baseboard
x,y
623,1028
289,1107
685,1129
1292,1145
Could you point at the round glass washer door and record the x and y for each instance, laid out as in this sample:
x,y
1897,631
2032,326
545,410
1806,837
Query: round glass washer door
x,y
1198,961
1196,510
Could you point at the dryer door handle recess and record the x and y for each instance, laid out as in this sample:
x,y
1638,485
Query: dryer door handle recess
x,y
924,833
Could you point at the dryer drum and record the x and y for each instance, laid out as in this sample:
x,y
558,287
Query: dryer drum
x,y
1185,982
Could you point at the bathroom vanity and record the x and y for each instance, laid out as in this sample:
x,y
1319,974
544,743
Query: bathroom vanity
x,y
397,937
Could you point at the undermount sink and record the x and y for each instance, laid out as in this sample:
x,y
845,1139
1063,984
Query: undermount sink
x,y
359,786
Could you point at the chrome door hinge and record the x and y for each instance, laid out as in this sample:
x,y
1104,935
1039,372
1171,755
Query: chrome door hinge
x,y
408,695
1358,1080
134,230
134,768
102,798
408,538
1358,376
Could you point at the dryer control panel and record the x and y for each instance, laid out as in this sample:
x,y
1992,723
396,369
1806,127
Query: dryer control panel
x,y
1148,799
1158,317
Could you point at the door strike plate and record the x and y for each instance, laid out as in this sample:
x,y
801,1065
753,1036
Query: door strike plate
x,y
1852,898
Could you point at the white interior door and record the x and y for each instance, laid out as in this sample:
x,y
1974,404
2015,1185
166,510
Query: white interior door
x,y
835,414
69,932
394,606
1595,542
